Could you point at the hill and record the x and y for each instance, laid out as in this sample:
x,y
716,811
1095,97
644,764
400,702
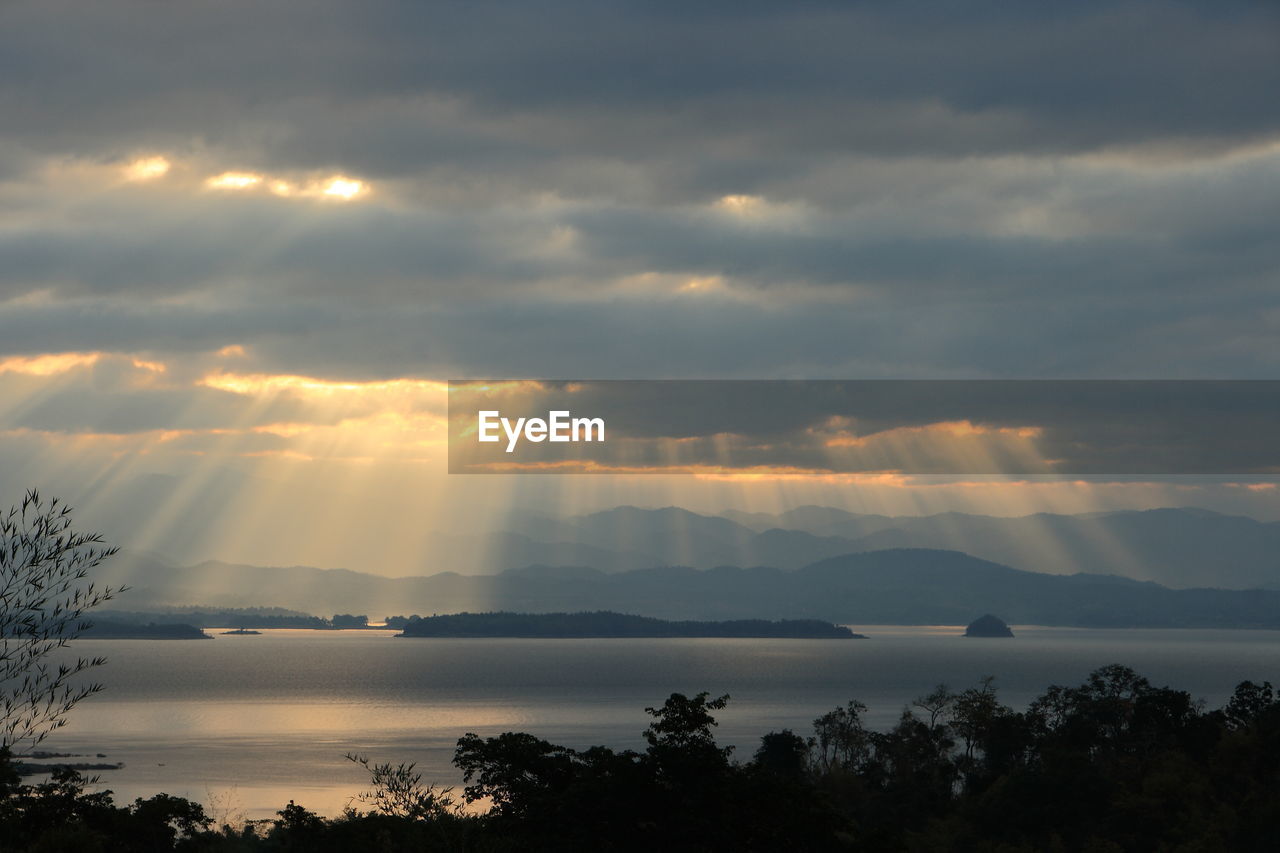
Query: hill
x,y
1178,547
898,586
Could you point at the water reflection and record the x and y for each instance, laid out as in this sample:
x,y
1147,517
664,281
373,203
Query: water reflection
x,y
269,718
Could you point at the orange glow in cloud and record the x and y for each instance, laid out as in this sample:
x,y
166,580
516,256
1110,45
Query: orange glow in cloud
x,y
147,169
344,188
49,365
261,383
703,284
740,204
957,429
710,472
234,181
332,188
285,430
490,389
350,421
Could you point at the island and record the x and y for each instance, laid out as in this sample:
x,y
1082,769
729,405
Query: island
x,y
988,626
109,630
220,617
29,768
241,632
606,623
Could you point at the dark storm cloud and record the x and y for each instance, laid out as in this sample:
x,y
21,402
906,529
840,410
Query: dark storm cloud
x,y
134,245
1205,334
319,80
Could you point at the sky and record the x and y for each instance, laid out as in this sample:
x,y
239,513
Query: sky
x,y
244,245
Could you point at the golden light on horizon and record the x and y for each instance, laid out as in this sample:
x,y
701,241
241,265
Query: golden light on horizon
x,y
147,168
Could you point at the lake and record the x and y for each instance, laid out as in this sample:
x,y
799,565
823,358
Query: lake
x,y
245,724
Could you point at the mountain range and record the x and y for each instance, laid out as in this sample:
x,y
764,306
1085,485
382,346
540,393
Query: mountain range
x,y
893,586
1176,547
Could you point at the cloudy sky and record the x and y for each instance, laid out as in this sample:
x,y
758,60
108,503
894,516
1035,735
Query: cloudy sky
x,y
243,243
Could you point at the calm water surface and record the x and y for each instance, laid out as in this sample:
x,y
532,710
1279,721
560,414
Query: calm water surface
x,y
248,723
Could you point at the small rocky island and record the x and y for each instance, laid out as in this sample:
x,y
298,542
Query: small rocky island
x,y
609,624
988,626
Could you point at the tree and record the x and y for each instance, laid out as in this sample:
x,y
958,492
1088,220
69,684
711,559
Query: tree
x,y
398,791
783,754
685,723
518,773
44,596
841,740
936,704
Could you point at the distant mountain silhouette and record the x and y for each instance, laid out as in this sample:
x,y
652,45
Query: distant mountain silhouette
x,y
495,552
673,535
1178,547
909,586
1175,547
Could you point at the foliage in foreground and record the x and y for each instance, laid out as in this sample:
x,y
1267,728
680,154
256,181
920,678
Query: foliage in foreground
x,y
1114,764
45,596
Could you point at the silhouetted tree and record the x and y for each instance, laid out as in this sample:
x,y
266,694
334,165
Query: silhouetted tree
x,y
398,791
44,596
683,725
1112,764
937,704
783,754
840,739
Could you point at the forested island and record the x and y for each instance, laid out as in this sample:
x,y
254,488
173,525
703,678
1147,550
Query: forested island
x,y
221,617
606,623
105,629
